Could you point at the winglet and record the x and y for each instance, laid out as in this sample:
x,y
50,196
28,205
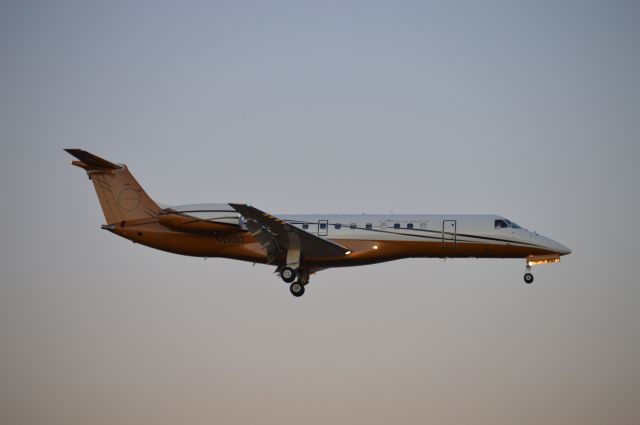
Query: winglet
x,y
89,161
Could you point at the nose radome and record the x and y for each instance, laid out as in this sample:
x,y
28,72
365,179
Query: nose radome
x,y
553,246
559,248
564,250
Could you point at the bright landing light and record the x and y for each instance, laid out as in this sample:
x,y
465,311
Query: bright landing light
x,y
375,247
347,253
534,260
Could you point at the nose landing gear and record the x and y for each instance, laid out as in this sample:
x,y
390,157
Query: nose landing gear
x,y
528,276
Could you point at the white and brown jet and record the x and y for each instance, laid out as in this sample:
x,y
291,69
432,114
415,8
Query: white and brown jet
x,y
299,245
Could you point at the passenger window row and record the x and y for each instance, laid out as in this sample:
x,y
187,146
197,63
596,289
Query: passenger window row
x,y
369,226
410,226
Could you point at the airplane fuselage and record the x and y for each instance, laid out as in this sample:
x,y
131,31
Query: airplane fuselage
x,y
370,238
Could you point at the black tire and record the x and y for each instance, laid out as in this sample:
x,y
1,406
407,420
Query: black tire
x,y
288,274
528,278
297,289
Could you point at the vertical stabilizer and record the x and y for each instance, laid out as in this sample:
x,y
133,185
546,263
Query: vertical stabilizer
x,y
121,197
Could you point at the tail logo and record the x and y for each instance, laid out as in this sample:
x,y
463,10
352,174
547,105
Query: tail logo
x,y
128,199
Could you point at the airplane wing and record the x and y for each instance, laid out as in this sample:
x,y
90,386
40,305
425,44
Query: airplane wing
x,y
279,237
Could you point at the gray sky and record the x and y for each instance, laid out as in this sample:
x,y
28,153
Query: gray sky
x,y
526,109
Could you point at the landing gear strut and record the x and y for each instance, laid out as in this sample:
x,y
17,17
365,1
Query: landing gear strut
x,y
528,277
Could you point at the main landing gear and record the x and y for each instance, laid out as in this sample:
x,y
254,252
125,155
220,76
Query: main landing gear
x,y
288,274
528,276
297,289
297,279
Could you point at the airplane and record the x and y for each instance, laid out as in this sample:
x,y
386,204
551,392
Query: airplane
x,y
301,245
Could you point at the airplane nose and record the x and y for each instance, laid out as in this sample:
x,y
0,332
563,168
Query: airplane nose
x,y
563,250
553,246
559,248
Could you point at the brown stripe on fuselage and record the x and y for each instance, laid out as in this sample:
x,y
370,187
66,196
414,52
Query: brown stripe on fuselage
x,y
242,246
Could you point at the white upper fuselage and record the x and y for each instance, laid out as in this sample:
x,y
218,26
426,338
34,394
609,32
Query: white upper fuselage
x,y
400,227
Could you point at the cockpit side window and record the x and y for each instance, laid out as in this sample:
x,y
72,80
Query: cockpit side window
x,y
501,224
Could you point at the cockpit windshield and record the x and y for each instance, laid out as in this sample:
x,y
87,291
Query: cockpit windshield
x,y
504,223
512,224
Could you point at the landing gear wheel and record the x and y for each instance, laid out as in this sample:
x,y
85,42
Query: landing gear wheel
x,y
528,278
297,289
288,274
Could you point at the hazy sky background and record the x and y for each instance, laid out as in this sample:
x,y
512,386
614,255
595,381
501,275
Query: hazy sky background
x,y
526,109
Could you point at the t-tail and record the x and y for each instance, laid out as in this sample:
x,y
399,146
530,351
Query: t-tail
x,y
121,197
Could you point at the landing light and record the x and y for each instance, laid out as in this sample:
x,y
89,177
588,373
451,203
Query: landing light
x,y
535,260
347,253
375,247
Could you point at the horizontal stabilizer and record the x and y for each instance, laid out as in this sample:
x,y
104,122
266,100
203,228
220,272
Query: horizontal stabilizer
x,y
90,161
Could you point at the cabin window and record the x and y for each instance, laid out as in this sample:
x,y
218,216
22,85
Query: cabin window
x,y
323,225
396,225
305,226
368,226
352,226
409,225
337,226
501,224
